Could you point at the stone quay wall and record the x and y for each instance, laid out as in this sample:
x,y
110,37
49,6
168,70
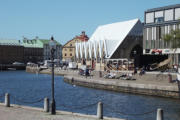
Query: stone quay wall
x,y
138,88
155,84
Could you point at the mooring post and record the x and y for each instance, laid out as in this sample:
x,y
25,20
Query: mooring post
x,y
100,110
7,100
72,80
159,114
46,105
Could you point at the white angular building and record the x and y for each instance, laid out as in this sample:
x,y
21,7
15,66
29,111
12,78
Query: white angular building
x,y
115,41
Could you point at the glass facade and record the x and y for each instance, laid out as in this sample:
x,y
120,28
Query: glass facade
x,y
154,36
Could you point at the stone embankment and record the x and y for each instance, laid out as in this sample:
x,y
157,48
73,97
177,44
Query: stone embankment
x,y
171,91
155,84
151,83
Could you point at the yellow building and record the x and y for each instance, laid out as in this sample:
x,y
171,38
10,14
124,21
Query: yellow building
x,y
68,51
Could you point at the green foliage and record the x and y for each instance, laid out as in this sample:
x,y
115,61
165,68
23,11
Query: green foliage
x,y
167,37
173,37
73,58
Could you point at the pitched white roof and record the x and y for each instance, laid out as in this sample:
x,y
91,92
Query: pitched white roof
x,y
113,34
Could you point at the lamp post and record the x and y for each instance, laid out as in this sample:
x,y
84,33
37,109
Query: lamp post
x,y
52,45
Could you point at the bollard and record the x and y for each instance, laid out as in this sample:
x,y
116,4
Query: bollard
x,y
170,78
46,105
100,110
7,100
72,80
159,114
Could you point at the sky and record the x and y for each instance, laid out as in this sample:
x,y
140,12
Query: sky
x,y
64,19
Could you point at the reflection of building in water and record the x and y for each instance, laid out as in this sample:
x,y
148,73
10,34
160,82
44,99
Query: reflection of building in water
x,y
110,42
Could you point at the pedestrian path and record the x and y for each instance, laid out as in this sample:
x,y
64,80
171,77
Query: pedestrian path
x,y
16,112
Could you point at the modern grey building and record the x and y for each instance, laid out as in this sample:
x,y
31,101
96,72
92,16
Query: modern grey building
x,y
158,22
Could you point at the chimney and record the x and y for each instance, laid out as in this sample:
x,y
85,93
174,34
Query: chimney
x,y
83,33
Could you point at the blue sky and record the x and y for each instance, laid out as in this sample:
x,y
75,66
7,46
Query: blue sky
x,y
65,19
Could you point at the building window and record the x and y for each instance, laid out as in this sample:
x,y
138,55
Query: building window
x,y
169,15
70,44
70,54
150,17
65,54
177,13
159,19
70,49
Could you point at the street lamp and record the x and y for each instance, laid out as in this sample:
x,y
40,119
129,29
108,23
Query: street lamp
x,y
52,46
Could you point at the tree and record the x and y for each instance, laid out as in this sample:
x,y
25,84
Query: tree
x,y
73,58
173,38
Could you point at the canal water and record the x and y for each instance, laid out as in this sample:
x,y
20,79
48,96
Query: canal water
x,y
29,89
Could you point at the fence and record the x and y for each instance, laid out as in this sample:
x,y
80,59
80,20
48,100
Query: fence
x,y
99,107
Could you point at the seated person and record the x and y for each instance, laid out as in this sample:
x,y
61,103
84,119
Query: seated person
x,y
110,75
87,72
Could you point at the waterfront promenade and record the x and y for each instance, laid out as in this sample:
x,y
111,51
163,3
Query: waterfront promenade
x,y
16,112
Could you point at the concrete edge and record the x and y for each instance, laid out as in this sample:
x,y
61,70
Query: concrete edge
x,y
124,84
59,112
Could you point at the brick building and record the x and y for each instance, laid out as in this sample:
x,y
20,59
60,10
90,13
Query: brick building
x,y
11,51
34,50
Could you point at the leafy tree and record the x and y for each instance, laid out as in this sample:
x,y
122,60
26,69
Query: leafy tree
x,y
174,38
73,58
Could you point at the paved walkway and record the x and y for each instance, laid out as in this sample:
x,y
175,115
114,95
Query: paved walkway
x,y
154,78
16,112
